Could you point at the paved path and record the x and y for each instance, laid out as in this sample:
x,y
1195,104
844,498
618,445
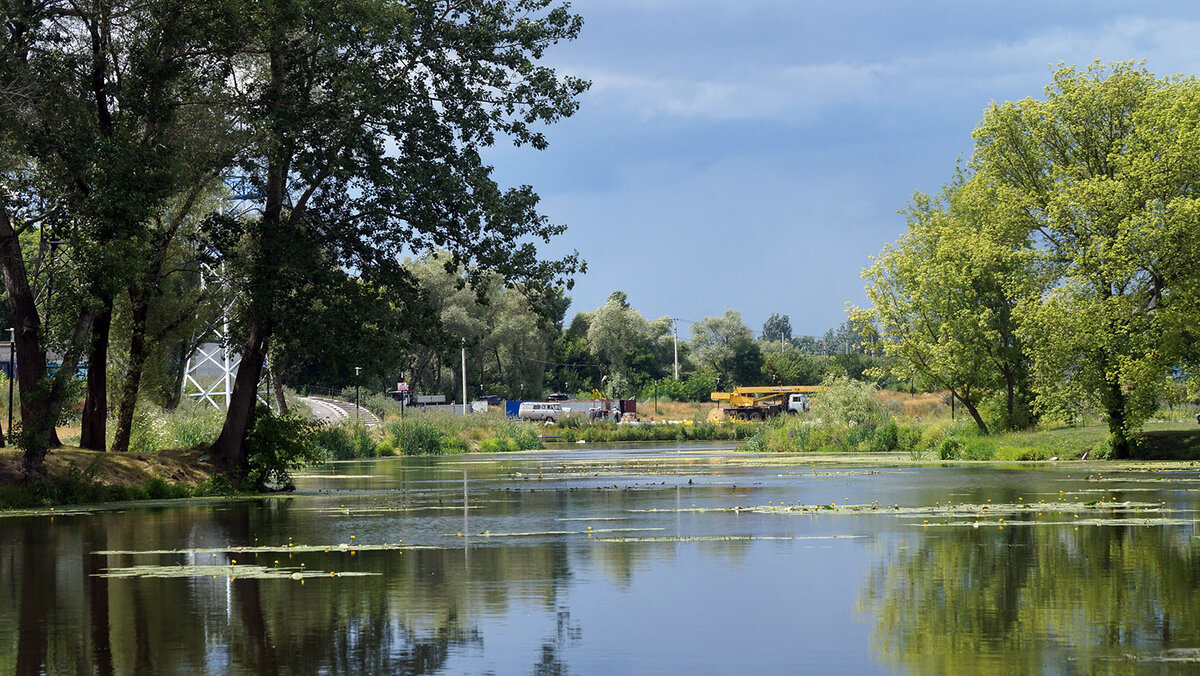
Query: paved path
x,y
332,411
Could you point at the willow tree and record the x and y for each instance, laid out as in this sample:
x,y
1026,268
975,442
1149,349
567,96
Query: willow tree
x,y
1105,170
370,123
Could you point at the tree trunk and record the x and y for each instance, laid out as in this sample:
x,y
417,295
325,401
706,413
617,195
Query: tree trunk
x,y
93,435
1113,400
230,447
172,395
277,383
972,408
139,310
41,402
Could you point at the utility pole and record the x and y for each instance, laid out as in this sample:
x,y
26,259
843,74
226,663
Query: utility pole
x,y
357,370
675,323
12,376
464,374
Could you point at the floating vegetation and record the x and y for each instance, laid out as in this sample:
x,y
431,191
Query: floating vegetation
x,y
1162,521
1184,655
331,475
270,549
589,531
377,511
231,571
730,538
948,509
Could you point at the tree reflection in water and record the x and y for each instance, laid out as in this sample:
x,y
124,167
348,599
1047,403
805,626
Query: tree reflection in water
x,y
422,609
1030,599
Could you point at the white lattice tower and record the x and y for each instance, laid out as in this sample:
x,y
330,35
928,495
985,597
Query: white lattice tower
x,y
220,390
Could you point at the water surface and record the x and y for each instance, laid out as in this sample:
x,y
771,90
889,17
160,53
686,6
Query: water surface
x,y
621,559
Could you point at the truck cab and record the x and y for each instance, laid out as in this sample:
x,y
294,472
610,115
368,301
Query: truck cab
x,y
798,403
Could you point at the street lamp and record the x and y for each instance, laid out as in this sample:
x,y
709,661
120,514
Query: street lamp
x,y
357,370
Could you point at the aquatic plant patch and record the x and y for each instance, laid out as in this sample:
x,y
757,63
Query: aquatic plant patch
x,y
231,571
589,531
941,510
730,538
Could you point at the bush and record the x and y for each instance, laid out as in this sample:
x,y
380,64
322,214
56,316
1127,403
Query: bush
x,y
949,448
848,402
332,442
277,444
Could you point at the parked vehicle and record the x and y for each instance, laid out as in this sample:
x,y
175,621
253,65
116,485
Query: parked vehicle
x,y
540,411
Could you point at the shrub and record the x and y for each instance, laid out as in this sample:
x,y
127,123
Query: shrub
x,y
848,402
276,444
949,448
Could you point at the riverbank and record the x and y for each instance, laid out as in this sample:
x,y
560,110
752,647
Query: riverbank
x,y
75,476
946,440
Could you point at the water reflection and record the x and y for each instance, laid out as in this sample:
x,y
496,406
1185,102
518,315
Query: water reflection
x,y
607,562
1028,600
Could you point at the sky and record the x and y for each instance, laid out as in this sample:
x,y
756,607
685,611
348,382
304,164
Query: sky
x,y
754,154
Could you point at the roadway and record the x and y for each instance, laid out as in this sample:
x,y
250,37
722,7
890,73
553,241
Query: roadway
x,y
332,411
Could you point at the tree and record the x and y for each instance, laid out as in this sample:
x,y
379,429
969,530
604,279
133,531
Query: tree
x,y
615,333
370,121
944,297
1104,171
777,328
726,346
793,368
91,109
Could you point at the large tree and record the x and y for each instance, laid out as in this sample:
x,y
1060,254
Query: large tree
x,y
726,346
370,123
1105,171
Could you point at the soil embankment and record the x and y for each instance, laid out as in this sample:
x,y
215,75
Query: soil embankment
x,y
188,468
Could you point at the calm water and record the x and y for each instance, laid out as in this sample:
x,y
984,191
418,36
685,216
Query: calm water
x,y
622,560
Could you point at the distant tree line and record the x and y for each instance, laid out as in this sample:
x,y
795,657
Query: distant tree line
x,y
518,351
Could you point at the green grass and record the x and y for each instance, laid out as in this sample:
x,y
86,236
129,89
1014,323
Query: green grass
x,y
80,487
945,440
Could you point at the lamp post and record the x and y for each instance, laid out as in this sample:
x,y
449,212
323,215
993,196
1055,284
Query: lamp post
x,y
357,370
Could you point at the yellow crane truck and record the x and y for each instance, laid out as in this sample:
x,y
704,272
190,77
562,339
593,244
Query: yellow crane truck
x,y
760,403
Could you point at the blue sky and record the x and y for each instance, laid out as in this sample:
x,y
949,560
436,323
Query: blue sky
x,y
753,154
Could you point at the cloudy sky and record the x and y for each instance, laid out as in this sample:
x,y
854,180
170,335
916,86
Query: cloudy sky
x,y
753,154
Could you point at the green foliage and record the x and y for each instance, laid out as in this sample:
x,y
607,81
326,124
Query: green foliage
x,y
848,402
1107,186
418,437
792,367
726,346
191,425
777,327
946,294
277,444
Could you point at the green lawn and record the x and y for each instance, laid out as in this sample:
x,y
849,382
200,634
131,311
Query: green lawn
x,y
1158,441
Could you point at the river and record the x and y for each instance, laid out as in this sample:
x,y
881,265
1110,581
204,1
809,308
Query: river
x,y
689,558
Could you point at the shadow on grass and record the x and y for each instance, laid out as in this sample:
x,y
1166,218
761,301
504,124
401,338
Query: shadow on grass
x,y
1168,445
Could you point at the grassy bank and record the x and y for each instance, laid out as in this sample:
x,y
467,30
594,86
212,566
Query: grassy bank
x,y
960,440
